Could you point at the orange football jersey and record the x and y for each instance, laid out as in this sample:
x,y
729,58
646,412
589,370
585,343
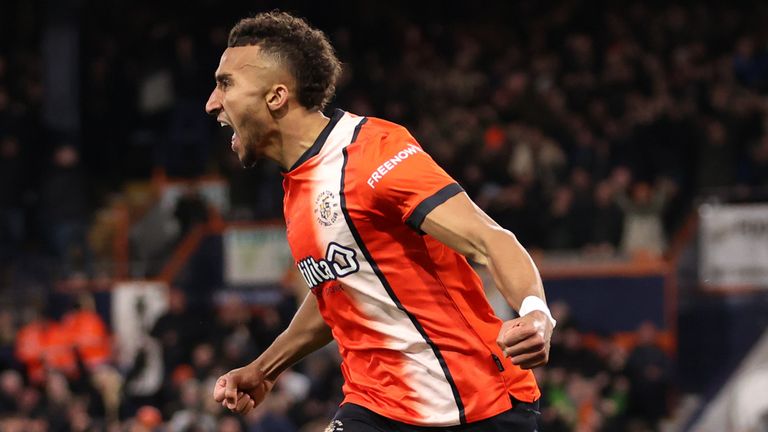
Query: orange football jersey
x,y
415,331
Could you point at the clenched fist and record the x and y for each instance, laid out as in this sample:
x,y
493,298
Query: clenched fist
x,y
240,390
525,340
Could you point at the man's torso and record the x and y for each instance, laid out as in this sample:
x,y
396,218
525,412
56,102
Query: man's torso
x,y
414,329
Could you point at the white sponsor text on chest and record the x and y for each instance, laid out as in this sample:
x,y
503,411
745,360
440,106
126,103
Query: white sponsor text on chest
x,y
391,163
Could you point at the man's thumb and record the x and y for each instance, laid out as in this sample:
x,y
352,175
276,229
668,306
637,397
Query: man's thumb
x,y
230,390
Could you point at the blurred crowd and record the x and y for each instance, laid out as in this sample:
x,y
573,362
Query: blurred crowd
x,y
69,374
595,383
576,127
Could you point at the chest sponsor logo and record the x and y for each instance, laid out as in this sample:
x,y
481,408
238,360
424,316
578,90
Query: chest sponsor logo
x,y
326,208
339,261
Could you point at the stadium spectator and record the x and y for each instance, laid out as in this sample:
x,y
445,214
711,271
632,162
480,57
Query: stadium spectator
x,y
606,222
643,218
42,344
64,209
13,186
191,210
649,370
190,415
758,162
717,163
188,145
90,337
177,330
7,339
560,223
11,386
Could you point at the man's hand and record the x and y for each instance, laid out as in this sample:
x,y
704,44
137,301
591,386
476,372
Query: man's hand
x,y
241,390
525,340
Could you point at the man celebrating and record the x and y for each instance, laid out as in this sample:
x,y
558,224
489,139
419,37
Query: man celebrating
x,y
380,234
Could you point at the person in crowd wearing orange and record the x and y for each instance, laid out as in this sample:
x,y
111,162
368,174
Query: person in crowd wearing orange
x,y
89,334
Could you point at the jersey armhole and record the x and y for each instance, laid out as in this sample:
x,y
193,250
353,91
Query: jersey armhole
x,y
420,212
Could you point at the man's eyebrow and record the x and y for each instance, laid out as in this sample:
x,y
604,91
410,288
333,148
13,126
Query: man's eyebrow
x,y
222,76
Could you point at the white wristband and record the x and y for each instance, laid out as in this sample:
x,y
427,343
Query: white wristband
x,y
532,303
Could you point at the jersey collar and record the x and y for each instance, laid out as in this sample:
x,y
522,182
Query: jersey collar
x,y
318,144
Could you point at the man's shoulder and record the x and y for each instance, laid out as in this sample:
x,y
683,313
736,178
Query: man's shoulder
x,y
379,129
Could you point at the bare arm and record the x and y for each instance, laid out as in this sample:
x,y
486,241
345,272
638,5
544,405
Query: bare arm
x,y
464,227
242,389
306,333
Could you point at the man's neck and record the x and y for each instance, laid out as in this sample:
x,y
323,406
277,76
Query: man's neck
x,y
299,130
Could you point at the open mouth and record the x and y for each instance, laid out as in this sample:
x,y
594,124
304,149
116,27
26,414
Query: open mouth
x,y
235,140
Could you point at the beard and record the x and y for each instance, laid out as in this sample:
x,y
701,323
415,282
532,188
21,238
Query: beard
x,y
249,157
249,143
255,137
257,144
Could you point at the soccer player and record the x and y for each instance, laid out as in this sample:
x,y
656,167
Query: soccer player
x,y
380,233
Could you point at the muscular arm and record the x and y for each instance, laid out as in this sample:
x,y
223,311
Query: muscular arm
x,y
306,333
461,225
242,389
464,227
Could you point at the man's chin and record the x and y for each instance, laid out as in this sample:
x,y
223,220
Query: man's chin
x,y
248,160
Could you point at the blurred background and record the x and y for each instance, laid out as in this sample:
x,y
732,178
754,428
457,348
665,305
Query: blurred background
x,y
624,143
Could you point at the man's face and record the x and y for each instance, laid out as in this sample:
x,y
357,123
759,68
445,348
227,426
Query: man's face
x,y
244,79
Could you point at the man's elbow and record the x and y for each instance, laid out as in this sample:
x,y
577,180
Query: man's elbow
x,y
499,238
491,241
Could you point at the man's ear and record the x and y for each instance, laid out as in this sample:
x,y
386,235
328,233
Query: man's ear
x,y
277,97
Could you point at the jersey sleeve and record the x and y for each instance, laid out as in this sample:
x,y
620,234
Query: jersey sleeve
x,y
406,182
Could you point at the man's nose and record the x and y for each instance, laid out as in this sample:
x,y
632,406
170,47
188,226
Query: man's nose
x,y
213,106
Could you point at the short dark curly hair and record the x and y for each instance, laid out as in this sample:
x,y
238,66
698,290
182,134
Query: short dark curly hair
x,y
304,49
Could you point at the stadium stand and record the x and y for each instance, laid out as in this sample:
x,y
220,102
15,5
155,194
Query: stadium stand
x,y
592,133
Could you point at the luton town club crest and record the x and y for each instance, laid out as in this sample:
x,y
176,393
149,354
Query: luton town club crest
x,y
326,208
